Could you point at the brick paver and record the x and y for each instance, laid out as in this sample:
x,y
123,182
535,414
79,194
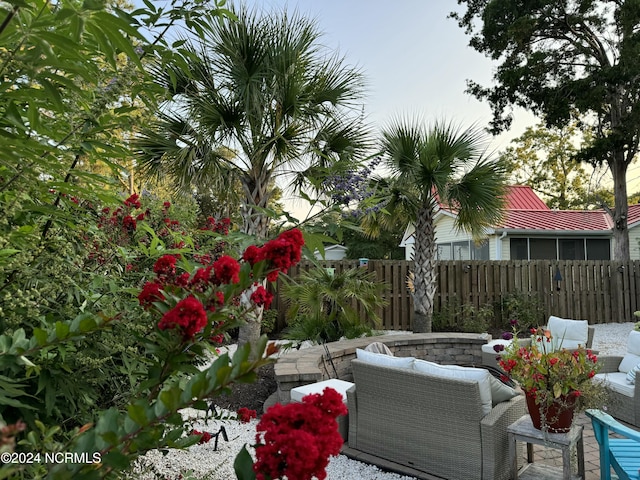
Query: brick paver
x,y
551,456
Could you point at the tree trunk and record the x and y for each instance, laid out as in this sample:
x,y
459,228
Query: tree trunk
x,y
424,281
620,211
257,224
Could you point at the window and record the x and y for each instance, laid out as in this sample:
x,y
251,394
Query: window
x,y
598,249
465,250
571,249
519,249
533,248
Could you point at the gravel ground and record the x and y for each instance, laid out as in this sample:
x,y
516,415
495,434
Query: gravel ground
x,y
202,462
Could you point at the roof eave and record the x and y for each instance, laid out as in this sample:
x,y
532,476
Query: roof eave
x,y
559,233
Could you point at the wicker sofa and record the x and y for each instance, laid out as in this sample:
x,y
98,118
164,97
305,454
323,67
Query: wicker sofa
x,y
624,397
404,419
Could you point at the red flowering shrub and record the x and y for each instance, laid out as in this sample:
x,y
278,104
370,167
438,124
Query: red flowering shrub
x,y
226,270
245,415
262,297
188,315
151,292
280,253
205,437
297,439
165,266
206,290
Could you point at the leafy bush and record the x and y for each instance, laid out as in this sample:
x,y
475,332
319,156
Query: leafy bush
x,y
526,309
326,306
195,302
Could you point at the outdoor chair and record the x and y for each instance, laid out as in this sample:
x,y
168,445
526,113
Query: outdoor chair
x,y
615,374
567,333
623,454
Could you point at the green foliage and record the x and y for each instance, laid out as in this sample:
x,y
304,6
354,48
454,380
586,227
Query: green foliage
x,y
566,61
453,316
279,102
526,309
545,159
269,319
325,305
441,164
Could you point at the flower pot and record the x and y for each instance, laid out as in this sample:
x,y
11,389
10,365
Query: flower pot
x,y
554,418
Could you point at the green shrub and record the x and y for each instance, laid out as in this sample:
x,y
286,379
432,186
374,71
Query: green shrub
x,y
325,306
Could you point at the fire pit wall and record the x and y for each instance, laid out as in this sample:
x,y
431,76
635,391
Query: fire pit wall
x,y
301,367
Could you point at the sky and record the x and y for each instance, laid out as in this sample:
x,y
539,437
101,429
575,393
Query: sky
x,y
416,61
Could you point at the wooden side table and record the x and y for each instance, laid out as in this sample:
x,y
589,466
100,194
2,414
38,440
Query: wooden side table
x,y
524,431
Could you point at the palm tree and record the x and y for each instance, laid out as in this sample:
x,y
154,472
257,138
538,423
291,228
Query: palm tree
x,y
443,165
263,87
325,305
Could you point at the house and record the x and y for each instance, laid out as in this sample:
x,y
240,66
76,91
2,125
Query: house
x,y
332,252
530,230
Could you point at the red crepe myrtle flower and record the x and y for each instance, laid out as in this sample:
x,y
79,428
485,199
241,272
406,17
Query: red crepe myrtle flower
x,y
205,437
252,255
129,223
226,270
261,296
165,266
297,439
188,315
245,415
151,292
133,201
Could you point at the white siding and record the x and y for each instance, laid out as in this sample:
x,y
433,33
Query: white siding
x,y
634,243
446,231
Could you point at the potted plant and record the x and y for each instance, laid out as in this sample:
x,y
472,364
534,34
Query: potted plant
x,y
557,382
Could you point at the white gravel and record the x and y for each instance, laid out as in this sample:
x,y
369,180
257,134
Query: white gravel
x,y
202,462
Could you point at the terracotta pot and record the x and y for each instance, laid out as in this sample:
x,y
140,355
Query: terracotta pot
x,y
558,416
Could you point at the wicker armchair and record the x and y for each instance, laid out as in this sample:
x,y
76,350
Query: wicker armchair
x,y
424,425
621,406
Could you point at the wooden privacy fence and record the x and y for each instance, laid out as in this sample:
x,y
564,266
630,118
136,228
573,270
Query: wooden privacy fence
x,y
599,291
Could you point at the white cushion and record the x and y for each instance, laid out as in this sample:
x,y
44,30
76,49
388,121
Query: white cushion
x,y
384,360
616,381
480,375
564,330
500,392
339,385
631,375
628,362
633,343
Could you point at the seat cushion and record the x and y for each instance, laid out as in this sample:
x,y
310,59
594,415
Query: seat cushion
x,y
616,381
632,357
340,386
565,330
480,375
384,360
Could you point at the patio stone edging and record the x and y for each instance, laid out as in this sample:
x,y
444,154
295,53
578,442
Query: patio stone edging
x,y
310,365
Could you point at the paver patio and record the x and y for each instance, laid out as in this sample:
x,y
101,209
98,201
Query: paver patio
x,y
553,457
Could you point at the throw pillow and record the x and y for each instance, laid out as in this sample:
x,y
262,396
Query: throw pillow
x,y
384,360
633,343
631,375
480,375
628,362
500,392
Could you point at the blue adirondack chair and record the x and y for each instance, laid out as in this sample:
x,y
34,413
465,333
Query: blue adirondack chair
x,y
623,454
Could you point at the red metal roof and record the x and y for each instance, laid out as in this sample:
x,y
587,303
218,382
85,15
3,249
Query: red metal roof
x,y
522,197
554,220
525,211
634,214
